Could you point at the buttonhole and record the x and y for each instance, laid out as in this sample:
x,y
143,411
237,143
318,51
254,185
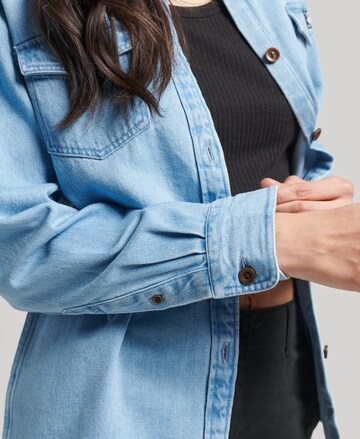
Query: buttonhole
x,y
209,151
225,352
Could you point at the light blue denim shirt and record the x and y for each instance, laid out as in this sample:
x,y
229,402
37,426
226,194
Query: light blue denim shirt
x,y
121,241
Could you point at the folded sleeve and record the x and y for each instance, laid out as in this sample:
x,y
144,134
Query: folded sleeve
x,y
104,258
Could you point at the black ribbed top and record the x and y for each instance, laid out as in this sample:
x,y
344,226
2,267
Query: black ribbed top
x,y
254,121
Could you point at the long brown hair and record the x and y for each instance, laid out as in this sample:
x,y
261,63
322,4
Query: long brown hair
x,y
78,34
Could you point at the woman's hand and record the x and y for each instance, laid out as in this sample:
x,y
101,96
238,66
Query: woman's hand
x,y
321,246
322,242
297,195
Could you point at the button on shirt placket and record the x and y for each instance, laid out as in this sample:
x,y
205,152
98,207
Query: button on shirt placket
x,y
272,54
316,134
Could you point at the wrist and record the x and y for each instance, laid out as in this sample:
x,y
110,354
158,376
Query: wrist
x,y
294,241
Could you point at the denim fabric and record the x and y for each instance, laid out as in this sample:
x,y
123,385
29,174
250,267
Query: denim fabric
x,y
98,219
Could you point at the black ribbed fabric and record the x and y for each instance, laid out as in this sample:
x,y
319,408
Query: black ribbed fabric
x,y
254,121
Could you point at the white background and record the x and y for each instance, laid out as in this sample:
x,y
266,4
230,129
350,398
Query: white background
x,y
336,28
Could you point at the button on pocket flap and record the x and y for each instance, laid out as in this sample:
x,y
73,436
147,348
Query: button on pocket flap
x,y
300,16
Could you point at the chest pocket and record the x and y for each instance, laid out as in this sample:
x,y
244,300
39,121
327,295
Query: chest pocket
x,y
299,14
49,88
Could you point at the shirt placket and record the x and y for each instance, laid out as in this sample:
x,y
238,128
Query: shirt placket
x,y
214,182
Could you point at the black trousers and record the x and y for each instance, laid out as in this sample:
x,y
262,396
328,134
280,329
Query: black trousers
x,y
275,395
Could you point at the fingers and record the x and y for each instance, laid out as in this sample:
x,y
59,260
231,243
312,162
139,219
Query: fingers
x,y
298,206
267,182
298,195
329,188
292,179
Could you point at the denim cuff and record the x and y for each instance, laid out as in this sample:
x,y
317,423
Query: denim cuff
x,y
240,234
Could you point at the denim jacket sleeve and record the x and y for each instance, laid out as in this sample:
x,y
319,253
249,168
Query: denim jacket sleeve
x,y
104,258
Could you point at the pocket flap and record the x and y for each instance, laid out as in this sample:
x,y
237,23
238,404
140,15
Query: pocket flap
x,y
36,57
299,14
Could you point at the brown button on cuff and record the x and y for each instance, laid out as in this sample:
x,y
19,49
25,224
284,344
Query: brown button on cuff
x,y
315,135
157,298
247,275
272,54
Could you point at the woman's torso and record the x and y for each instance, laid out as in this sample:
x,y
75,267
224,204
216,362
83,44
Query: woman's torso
x,y
98,357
